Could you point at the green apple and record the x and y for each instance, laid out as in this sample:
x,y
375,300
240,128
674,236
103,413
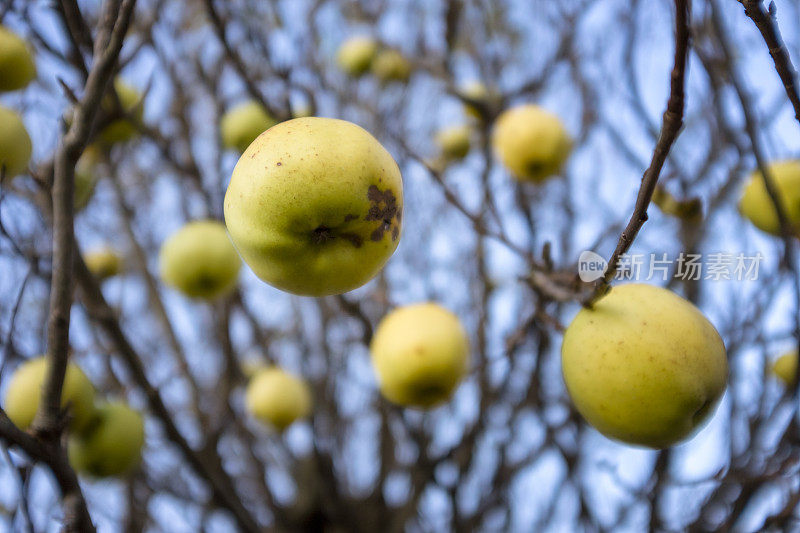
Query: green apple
x,y
85,177
314,206
277,398
757,206
390,65
15,144
785,367
200,261
103,263
25,391
531,142
242,124
122,129
17,68
454,142
644,366
355,55
112,445
478,92
420,354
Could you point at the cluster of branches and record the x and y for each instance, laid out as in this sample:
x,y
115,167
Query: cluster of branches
x,y
509,452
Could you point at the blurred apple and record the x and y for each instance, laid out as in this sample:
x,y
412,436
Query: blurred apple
x,y
757,206
277,398
390,65
785,367
25,390
103,262
454,142
314,206
355,55
112,445
17,68
85,177
15,144
531,142
479,93
420,354
122,129
644,366
242,124
200,261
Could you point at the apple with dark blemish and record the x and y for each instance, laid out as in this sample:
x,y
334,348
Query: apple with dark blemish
x,y
314,206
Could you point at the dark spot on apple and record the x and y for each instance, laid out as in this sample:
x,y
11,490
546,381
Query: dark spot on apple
x,y
385,210
354,239
322,234
279,164
348,218
535,168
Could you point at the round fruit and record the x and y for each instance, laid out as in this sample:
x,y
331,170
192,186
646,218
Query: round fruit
x,y
25,391
454,142
785,367
757,206
200,261
531,142
355,55
112,445
644,366
420,354
17,68
15,144
277,398
390,65
314,206
242,124
122,129
103,262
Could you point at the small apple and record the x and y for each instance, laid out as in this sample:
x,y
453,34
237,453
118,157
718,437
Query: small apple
x,y
314,206
17,68
112,445
644,366
25,391
103,262
200,261
785,367
242,124
454,142
85,178
477,91
122,129
355,55
420,354
390,65
756,204
15,144
277,398
531,142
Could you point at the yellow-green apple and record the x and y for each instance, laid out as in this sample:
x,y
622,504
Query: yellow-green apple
x,y
477,92
390,65
200,261
314,206
355,55
531,142
420,354
243,123
785,367
15,144
112,445
757,206
277,398
17,68
103,263
644,366
122,129
25,390
85,177
454,142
